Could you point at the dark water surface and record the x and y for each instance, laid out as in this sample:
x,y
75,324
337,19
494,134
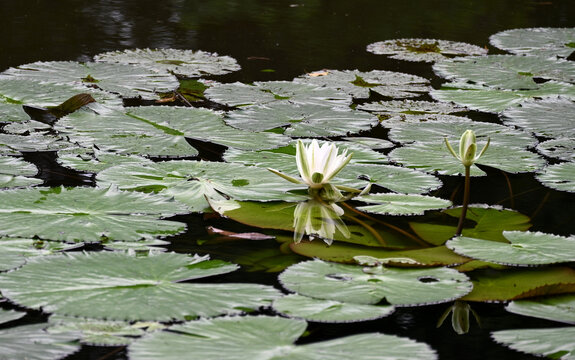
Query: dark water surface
x,y
278,40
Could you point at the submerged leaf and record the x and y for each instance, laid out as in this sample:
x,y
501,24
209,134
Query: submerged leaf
x,y
267,338
148,287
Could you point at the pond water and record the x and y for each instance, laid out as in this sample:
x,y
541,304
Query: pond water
x,y
280,40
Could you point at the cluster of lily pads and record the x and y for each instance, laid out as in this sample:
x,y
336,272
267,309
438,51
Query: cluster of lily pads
x,y
138,121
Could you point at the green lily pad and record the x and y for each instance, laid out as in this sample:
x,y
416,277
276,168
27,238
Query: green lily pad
x,y
561,149
544,42
148,287
554,343
15,172
425,50
191,182
15,251
523,249
513,284
158,131
487,99
267,338
94,160
556,308
34,342
559,176
414,110
401,204
550,118
17,92
303,120
489,223
102,332
87,214
370,142
506,71
10,315
425,149
126,80
35,142
186,63
346,253
329,311
359,84
265,93
370,285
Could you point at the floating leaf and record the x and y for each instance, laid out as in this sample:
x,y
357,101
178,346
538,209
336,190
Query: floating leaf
x,y
35,142
556,308
401,204
506,71
191,182
15,172
512,284
489,223
10,315
370,285
329,311
359,84
493,100
554,343
34,342
550,118
544,42
267,338
370,142
561,149
87,214
140,287
413,110
159,131
261,93
15,251
186,63
426,50
126,80
303,120
524,248
17,92
559,176
425,147
94,160
102,332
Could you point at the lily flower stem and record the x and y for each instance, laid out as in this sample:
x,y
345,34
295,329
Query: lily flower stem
x,y
465,201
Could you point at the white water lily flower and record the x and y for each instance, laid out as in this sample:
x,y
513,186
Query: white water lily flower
x,y
318,219
317,164
467,148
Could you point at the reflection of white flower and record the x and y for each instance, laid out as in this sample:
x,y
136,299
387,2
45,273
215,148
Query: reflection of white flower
x,y
467,148
317,165
316,218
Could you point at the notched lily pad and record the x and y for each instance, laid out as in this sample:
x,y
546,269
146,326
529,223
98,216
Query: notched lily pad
x,y
545,42
558,176
127,80
15,172
401,204
561,149
329,311
554,343
549,118
506,71
371,285
556,308
187,63
150,288
267,338
35,342
523,249
87,214
426,50
359,84
414,110
262,93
